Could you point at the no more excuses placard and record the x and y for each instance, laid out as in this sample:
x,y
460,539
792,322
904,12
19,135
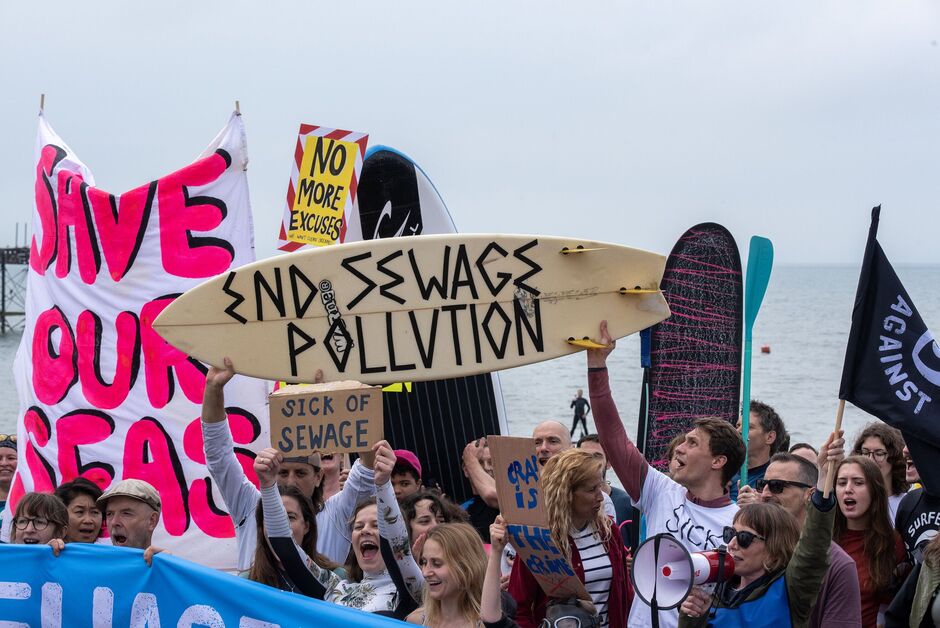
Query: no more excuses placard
x,y
335,417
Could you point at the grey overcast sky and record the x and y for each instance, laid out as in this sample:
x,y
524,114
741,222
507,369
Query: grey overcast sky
x,y
624,121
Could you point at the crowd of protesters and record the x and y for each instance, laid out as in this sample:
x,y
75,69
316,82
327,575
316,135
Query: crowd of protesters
x,y
817,538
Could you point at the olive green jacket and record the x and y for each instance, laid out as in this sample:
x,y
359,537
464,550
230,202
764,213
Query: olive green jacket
x,y
805,573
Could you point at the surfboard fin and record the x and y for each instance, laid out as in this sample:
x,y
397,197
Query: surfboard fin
x,y
585,343
638,290
578,249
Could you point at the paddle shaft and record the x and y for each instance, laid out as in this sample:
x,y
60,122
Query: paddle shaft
x,y
746,399
831,473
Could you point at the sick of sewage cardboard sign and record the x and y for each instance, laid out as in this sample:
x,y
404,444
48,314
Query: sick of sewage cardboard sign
x,y
516,471
322,189
340,417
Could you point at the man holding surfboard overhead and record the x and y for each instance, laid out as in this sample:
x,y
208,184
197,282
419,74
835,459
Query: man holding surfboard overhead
x,y
693,505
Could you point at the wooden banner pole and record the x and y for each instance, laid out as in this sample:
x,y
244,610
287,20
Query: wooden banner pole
x,y
831,473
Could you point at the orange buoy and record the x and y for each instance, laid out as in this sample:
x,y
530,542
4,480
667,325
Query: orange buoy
x,y
765,349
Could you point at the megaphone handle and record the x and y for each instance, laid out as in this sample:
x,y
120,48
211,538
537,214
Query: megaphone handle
x,y
654,603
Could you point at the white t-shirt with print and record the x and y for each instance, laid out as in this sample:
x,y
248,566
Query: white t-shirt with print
x,y
667,509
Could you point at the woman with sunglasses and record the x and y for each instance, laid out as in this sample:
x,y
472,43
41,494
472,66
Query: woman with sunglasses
x,y
39,519
884,445
862,529
777,571
572,490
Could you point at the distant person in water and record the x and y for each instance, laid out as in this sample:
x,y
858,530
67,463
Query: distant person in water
x,y
581,409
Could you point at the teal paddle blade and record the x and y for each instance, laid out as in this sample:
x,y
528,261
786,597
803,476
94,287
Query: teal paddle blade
x,y
760,261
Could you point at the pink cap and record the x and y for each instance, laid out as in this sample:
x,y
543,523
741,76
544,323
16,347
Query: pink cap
x,y
408,458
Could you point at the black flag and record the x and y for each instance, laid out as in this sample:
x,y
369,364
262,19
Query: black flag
x,y
892,362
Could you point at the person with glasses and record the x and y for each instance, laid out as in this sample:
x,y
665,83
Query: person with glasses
x,y
788,482
241,496
7,467
572,490
884,445
778,571
40,518
862,529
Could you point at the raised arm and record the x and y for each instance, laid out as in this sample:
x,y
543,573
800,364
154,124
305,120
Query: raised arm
x,y
310,578
238,493
491,610
392,526
483,484
334,534
627,461
807,568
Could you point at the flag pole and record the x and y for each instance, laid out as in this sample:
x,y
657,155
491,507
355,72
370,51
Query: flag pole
x,y
831,472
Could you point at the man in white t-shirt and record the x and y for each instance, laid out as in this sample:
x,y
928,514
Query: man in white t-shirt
x,y
693,505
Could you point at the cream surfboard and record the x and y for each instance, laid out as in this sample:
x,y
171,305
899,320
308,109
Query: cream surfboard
x,y
416,308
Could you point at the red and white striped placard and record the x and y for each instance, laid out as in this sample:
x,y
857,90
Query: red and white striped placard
x,y
306,130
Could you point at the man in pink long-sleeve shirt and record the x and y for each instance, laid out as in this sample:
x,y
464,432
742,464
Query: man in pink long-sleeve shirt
x,y
693,505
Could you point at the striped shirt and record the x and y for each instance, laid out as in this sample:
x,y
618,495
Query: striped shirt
x,y
597,569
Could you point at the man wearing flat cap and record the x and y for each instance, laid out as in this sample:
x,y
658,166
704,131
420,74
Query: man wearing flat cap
x,y
132,510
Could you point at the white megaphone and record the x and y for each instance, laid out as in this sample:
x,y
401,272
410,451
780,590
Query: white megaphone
x,y
664,570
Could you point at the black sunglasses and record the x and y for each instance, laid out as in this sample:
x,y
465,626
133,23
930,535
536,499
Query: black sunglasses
x,y
745,538
777,486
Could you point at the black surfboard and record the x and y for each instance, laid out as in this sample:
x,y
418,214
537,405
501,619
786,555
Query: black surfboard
x,y
434,419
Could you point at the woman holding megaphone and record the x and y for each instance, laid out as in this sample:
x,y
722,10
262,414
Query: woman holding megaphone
x,y
572,490
777,571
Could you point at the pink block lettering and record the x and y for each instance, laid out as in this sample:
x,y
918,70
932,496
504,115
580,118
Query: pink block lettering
x,y
184,254
149,455
162,361
98,392
41,256
75,216
55,368
83,427
121,224
37,426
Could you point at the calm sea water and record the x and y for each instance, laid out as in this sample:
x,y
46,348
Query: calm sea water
x,y
804,320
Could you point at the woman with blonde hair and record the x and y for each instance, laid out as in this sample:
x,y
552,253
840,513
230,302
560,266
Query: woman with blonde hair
x,y
572,490
453,564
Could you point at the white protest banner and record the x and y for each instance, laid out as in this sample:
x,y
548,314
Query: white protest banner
x,y
322,188
101,395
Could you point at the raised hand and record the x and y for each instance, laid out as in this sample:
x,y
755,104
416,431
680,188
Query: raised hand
x,y
220,377
597,358
384,462
267,464
498,535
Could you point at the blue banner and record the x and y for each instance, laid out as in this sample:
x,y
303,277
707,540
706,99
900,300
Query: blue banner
x,y
93,585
